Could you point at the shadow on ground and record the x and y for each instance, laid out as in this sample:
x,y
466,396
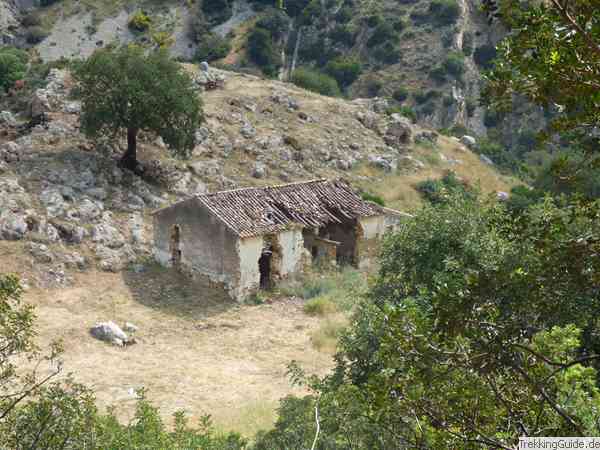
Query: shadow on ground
x,y
173,293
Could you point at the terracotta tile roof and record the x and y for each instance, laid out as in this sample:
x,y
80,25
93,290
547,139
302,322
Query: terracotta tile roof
x,y
255,211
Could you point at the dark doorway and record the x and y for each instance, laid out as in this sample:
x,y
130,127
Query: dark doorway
x,y
264,267
176,246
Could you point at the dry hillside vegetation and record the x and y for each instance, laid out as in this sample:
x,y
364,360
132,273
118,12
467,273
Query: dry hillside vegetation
x,y
78,230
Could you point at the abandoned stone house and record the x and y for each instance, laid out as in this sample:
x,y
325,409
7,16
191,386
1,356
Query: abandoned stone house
x,y
246,239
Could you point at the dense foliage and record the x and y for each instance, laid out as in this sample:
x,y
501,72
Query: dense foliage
x,y
316,81
479,328
129,89
13,65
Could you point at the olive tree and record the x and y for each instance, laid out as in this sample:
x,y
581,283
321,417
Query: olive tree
x,y
130,89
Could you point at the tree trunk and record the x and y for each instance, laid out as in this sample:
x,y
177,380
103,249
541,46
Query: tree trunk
x,y
129,159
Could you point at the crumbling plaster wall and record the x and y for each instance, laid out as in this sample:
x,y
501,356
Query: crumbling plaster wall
x,y
207,247
291,245
368,240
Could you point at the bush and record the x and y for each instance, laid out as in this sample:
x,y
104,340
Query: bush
x,y
345,70
445,12
384,32
484,56
312,12
374,20
276,21
344,15
492,118
13,65
212,47
373,86
399,25
440,191
367,196
31,19
438,74
455,64
294,8
470,105
35,35
387,53
44,3
140,21
423,97
400,94
315,81
343,35
320,306
217,11
261,51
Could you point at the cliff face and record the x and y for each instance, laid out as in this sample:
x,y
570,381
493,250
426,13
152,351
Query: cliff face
x,y
9,23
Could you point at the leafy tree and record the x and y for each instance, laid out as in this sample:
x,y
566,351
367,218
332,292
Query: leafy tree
x,y
479,328
13,65
344,69
552,56
316,81
212,47
129,89
445,12
217,11
261,51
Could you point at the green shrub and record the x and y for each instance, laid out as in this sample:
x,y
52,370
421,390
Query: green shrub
x,y
373,86
399,25
423,97
438,74
261,51
344,15
31,19
320,306
387,53
316,81
374,20
345,70
400,94
35,35
367,196
312,12
492,118
484,56
212,47
140,21
217,11
470,105
441,190
44,3
343,35
445,12
455,64
13,65
384,32
276,21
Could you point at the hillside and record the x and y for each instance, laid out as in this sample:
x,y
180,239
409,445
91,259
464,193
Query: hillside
x,y
77,229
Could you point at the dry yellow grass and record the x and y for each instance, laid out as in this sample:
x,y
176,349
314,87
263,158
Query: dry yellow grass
x,y
195,352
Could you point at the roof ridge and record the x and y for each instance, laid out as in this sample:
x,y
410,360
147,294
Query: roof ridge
x,y
270,186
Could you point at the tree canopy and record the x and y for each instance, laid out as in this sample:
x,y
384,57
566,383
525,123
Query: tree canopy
x,y
130,89
552,56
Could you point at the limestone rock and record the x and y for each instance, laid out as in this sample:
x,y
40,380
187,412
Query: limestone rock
x,y
108,235
468,141
40,252
12,225
259,170
486,160
7,118
109,332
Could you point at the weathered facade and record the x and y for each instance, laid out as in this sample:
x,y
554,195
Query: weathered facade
x,y
245,239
